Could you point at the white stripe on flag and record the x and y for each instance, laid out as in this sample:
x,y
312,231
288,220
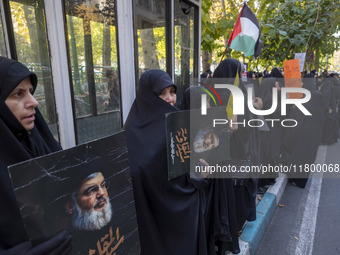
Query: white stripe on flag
x,y
249,28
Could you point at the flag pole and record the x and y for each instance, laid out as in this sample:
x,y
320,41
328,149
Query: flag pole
x,y
223,54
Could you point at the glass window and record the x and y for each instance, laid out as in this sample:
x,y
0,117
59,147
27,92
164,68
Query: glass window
x,y
30,36
92,41
184,46
150,35
3,51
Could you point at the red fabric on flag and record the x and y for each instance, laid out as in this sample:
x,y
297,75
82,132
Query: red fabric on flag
x,y
237,28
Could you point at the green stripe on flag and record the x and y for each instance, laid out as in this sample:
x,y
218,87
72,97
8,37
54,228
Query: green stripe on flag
x,y
242,43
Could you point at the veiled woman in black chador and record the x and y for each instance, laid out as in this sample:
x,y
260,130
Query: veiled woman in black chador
x,y
300,143
330,130
220,213
169,212
244,146
24,135
253,78
270,140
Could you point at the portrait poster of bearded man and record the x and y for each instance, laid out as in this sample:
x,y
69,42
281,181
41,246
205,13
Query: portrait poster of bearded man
x,y
85,190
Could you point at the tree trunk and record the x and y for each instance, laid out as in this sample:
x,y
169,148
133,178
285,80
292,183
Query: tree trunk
x,y
106,46
90,66
224,15
206,60
74,54
44,59
32,31
149,47
317,60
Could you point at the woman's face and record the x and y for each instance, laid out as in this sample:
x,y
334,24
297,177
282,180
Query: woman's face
x,y
169,95
22,103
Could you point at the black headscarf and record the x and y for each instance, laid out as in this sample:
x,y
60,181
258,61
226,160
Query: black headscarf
x,y
279,76
309,82
228,68
225,73
17,145
276,73
267,75
255,82
192,98
169,212
314,72
266,91
250,74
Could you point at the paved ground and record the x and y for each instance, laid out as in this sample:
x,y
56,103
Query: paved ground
x,y
308,223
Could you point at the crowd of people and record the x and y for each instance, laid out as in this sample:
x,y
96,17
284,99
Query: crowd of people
x,y
190,214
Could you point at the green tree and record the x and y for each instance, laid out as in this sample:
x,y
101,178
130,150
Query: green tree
x,y
287,27
216,28
292,26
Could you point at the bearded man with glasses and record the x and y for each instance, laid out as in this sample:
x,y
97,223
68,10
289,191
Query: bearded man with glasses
x,y
90,205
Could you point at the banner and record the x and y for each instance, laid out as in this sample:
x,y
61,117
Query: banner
x,y
301,57
292,76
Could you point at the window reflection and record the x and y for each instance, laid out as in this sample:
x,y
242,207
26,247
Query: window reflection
x,y
150,33
184,46
32,50
91,31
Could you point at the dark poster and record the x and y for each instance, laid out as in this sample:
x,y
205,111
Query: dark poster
x,y
86,190
192,136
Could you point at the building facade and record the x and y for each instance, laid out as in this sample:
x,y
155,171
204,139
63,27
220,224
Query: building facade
x,y
89,55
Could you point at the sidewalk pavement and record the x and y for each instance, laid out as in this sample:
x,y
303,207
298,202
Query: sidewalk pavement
x,y
253,231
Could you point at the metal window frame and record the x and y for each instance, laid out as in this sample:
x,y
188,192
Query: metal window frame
x,y
126,56
194,2
5,29
8,28
197,44
55,22
170,36
197,34
56,33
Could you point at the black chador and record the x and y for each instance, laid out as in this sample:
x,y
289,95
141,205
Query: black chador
x,y
243,146
169,212
17,144
300,143
330,111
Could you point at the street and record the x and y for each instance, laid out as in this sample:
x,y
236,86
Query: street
x,y
307,223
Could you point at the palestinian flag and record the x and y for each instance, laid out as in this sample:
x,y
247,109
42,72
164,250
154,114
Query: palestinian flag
x,y
246,34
